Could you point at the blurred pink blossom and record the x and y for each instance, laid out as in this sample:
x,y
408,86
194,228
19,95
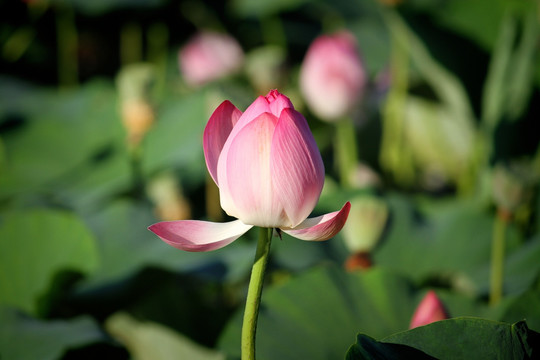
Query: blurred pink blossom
x,y
332,77
429,310
269,172
209,56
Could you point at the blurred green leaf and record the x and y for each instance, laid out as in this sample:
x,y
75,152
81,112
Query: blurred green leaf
x,y
152,341
95,182
373,42
452,243
446,85
430,125
59,131
295,255
100,7
475,19
34,246
176,138
510,77
262,8
520,270
25,338
464,338
324,307
524,65
523,307
497,78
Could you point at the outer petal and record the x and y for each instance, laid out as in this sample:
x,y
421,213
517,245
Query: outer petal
x,y
194,235
216,133
322,227
249,181
296,167
258,107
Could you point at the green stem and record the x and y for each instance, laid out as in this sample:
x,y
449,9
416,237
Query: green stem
x,y
497,259
346,151
249,326
131,44
135,155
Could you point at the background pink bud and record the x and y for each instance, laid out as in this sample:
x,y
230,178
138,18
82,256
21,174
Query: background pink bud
x,y
209,56
332,78
429,310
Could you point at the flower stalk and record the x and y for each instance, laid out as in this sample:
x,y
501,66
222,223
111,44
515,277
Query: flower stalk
x,y
497,257
346,151
249,325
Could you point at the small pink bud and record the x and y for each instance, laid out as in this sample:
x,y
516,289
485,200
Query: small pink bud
x,y
209,56
332,78
429,310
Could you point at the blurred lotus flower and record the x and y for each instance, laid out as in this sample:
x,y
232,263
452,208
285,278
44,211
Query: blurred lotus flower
x,y
441,147
364,176
369,215
209,56
269,172
135,85
332,77
138,117
361,235
167,196
429,310
513,185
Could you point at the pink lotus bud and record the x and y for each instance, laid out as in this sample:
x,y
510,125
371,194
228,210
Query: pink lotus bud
x,y
332,78
429,310
269,172
209,56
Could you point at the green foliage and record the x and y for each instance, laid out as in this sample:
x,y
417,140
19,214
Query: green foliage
x,y
452,95
149,341
451,244
25,338
58,132
322,307
177,136
453,339
264,8
34,247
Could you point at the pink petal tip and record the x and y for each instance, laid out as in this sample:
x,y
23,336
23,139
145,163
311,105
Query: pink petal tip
x,y
429,310
322,227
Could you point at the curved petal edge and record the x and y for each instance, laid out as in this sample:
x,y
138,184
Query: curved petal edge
x,y
216,133
322,227
196,235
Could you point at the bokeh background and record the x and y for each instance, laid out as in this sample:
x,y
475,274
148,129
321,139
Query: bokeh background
x,y
102,109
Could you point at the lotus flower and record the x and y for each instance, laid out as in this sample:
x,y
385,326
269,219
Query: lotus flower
x,y
332,77
429,310
209,56
269,172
